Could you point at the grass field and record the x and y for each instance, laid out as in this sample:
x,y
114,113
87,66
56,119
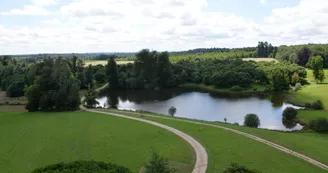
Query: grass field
x,y
211,88
307,115
31,140
103,62
312,92
260,59
226,147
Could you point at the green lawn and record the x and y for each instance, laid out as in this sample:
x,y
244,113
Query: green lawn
x,y
307,115
312,92
31,140
225,147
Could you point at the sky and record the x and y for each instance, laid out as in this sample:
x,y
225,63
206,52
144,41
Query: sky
x,y
80,26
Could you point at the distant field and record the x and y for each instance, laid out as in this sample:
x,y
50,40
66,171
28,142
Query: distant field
x,y
260,59
312,92
103,62
32,140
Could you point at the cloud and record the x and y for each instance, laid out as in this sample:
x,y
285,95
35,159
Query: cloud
x,y
44,2
27,10
54,21
262,1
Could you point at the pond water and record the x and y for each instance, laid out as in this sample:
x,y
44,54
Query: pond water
x,y
204,106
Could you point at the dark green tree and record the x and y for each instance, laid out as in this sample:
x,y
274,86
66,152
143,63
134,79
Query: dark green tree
x,y
303,56
316,64
90,98
172,111
163,69
289,113
89,77
252,120
279,80
112,73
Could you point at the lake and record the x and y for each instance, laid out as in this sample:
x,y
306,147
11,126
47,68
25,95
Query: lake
x,y
204,106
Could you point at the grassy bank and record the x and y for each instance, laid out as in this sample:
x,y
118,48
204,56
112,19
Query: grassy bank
x,y
225,147
31,140
311,92
103,62
254,88
306,116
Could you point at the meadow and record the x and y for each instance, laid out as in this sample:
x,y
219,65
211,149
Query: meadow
x,y
32,140
103,62
225,147
311,92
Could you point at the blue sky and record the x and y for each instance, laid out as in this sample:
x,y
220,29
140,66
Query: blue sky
x,y
48,26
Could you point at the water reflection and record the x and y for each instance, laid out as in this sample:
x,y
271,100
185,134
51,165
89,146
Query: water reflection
x,y
288,124
204,106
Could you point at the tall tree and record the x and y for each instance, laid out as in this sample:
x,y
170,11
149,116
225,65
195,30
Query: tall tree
x,y
89,76
303,56
163,69
112,73
279,80
316,64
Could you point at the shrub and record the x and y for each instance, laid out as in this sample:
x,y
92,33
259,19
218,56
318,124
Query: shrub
x,y
83,167
100,77
320,125
235,168
236,88
172,111
298,86
318,105
252,120
16,89
158,164
289,113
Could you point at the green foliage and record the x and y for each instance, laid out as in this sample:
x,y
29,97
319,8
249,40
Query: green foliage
x,y
158,164
235,168
318,105
55,88
82,167
90,98
16,89
112,73
319,125
100,77
236,88
252,120
295,78
89,77
289,113
317,67
279,80
172,111
264,49
303,56
298,86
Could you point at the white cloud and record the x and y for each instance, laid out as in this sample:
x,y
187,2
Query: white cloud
x,y
130,25
262,1
27,10
44,2
54,21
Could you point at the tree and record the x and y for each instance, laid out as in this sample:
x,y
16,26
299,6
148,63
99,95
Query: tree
x,y
163,69
158,164
172,111
321,76
112,73
16,89
100,77
316,64
289,113
279,80
295,78
89,77
235,168
90,98
303,56
251,120
320,125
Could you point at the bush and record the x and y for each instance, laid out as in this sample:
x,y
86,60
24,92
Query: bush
x,y
235,168
16,89
289,113
83,167
100,77
158,165
320,125
318,105
236,88
298,86
251,120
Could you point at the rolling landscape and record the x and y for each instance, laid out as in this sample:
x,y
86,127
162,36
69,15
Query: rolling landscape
x,y
95,90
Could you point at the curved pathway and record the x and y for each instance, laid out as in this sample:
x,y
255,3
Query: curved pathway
x,y
201,154
274,145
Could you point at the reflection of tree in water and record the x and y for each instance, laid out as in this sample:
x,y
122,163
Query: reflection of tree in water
x,y
288,124
112,100
277,99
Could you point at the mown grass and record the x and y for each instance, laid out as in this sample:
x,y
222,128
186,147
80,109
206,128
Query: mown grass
x,y
307,115
225,147
311,92
32,140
